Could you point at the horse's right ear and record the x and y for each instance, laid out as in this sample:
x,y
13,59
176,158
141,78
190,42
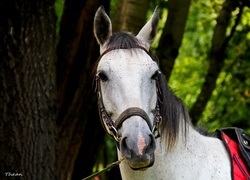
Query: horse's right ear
x,y
148,32
102,26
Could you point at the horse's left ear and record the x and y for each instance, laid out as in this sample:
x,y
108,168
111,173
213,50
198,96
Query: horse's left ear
x,y
148,32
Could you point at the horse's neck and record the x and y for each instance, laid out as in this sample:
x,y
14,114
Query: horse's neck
x,y
193,157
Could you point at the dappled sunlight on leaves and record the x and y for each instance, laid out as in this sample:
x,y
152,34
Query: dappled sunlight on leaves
x,y
230,102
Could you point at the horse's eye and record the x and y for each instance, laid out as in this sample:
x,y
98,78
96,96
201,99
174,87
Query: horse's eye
x,y
103,76
155,75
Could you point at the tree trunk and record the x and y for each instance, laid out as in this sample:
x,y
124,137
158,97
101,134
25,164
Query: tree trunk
x,y
80,133
27,90
217,58
130,15
172,34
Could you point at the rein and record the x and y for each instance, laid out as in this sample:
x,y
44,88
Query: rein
x,y
112,128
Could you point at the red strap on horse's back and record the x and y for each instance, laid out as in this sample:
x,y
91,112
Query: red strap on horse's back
x,y
239,168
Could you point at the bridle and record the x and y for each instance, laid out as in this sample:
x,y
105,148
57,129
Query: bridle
x,y
108,124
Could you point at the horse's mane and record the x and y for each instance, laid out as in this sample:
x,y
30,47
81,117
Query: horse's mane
x,y
173,110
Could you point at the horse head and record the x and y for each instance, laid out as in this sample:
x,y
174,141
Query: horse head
x,y
127,89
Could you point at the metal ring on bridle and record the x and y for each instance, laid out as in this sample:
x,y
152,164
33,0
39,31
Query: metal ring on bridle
x,y
115,134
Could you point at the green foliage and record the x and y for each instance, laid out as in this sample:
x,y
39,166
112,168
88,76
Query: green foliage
x,y
113,7
107,154
230,103
191,65
59,5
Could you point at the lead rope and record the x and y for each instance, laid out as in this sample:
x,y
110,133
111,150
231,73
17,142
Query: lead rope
x,y
108,167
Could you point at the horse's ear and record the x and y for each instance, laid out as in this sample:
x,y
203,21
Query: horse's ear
x,y
102,26
148,32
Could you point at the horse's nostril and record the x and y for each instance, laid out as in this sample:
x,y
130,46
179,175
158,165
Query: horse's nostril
x,y
124,148
151,146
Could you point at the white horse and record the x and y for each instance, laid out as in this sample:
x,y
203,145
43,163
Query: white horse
x,y
135,103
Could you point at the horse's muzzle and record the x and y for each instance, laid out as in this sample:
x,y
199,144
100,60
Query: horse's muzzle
x,y
137,166
138,150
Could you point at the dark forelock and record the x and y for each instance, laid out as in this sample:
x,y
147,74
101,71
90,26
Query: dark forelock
x,y
122,40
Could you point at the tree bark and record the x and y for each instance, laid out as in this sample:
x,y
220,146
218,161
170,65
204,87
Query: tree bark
x,y
130,15
217,58
27,90
172,34
80,133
